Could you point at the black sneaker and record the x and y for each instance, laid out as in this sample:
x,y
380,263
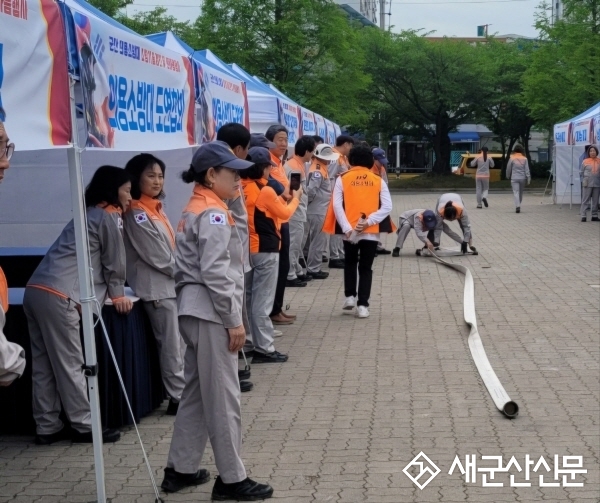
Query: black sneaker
x,y
246,386
274,357
249,354
518,210
64,434
485,203
244,374
304,277
383,251
336,264
172,408
295,283
175,481
318,275
108,436
396,252
302,262
583,219
246,490
595,219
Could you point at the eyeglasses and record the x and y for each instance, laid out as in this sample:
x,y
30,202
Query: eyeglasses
x,y
7,151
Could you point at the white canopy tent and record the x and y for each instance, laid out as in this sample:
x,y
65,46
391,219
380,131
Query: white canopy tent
x,y
570,139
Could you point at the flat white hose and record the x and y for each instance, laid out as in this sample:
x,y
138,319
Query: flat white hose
x,y
503,402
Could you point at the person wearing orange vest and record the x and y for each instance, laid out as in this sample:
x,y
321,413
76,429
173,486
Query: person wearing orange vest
x,y
451,207
209,282
517,171
150,251
12,356
52,302
590,181
343,144
359,210
278,134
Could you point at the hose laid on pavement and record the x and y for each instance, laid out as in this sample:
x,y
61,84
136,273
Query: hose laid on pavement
x,y
503,402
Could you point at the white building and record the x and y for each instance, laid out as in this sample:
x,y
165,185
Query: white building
x,y
557,10
366,8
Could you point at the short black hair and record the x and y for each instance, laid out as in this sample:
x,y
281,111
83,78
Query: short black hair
x,y
235,135
304,144
136,166
274,129
519,149
450,211
318,139
343,138
104,186
361,156
255,172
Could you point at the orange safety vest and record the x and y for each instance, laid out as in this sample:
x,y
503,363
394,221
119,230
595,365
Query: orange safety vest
x,y
3,291
153,208
362,194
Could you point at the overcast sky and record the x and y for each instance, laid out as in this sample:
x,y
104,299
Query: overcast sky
x,y
446,17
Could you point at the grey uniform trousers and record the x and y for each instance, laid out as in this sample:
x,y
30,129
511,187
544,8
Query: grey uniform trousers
x,y
590,194
296,241
318,243
57,358
482,186
210,404
260,294
518,186
403,231
165,325
336,247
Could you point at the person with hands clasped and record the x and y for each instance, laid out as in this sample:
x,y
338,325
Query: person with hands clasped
x,y
149,246
51,304
209,282
517,171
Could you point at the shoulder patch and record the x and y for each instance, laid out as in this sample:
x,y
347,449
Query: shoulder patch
x,y
218,219
316,174
119,222
140,218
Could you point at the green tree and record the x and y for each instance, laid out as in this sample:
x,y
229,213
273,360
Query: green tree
x,y
306,48
424,88
156,21
563,78
111,7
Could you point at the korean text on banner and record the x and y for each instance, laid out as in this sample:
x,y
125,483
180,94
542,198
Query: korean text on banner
x,y
330,138
34,85
321,128
137,95
222,99
596,129
583,131
562,134
308,126
289,116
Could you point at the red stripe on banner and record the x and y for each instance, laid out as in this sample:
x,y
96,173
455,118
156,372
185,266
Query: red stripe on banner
x,y
60,117
190,122
246,109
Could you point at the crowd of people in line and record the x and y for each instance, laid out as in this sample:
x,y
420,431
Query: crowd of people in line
x,y
257,222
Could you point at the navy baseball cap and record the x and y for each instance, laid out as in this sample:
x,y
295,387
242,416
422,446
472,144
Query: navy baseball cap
x,y
260,140
429,219
260,155
217,153
379,155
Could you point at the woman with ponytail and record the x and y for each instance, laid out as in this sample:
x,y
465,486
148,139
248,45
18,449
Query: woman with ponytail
x,y
482,177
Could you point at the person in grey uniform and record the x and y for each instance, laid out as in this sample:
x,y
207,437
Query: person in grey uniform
x,y
482,176
149,247
51,304
303,151
517,171
590,182
318,189
451,207
428,227
209,281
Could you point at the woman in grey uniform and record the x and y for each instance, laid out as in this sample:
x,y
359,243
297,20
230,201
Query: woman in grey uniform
x,y
517,171
150,245
209,276
451,207
51,304
482,176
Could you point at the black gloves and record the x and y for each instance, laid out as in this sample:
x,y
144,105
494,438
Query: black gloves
x,y
463,247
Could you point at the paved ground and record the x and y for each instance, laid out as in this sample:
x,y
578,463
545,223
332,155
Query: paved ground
x,y
359,399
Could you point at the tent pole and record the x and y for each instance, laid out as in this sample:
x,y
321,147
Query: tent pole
x,y
87,295
571,202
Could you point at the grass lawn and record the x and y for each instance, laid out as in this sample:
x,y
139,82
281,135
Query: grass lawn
x,y
452,182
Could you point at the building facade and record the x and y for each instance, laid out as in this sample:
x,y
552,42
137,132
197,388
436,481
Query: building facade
x,y
366,8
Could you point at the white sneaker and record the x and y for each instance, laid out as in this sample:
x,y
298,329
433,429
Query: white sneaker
x,y
362,312
349,305
277,333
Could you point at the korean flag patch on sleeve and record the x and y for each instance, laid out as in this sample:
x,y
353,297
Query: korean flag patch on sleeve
x,y
140,218
316,174
217,219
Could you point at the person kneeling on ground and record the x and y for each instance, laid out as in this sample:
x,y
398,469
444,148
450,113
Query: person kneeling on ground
x,y
359,210
451,207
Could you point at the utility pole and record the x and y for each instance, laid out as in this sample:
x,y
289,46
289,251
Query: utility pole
x,y
382,14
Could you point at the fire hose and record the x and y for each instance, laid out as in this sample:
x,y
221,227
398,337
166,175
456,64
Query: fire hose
x,y
499,395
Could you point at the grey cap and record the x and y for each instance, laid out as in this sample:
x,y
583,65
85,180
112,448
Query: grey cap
x,y
260,155
217,153
260,140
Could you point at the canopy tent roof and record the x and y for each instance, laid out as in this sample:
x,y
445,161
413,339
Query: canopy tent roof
x,y
582,129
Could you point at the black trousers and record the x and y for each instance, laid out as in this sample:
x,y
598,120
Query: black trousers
x,y
284,269
359,260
